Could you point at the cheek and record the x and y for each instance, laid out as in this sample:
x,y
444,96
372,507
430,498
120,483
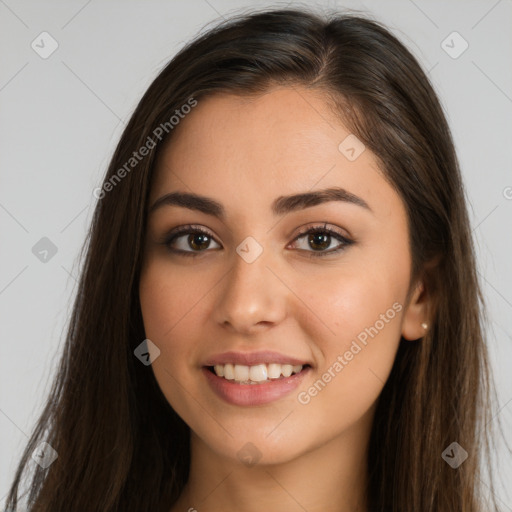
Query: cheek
x,y
347,301
170,298
171,305
363,310
165,305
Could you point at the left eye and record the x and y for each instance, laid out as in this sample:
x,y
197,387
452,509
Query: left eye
x,y
321,239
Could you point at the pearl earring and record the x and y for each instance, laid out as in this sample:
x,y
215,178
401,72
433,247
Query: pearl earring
x,y
424,325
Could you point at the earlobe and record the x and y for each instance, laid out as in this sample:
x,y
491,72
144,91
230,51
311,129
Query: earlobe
x,y
415,319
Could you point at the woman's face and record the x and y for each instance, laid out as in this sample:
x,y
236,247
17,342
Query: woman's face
x,y
254,283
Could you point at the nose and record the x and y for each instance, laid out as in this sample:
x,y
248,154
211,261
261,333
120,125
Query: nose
x,y
252,298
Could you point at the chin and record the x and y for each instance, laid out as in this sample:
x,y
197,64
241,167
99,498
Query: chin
x,y
252,448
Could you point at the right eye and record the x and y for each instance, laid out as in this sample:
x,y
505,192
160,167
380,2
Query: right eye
x,y
198,240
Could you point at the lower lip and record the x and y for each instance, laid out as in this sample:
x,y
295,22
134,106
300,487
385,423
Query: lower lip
x,y
254,394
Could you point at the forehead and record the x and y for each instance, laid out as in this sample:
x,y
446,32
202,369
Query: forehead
x,y
248,150
277,127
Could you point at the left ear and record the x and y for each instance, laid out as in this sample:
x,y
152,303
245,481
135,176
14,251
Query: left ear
x,y
416,313
417,318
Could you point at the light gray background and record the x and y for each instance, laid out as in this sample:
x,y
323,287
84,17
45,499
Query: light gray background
x,y
62,116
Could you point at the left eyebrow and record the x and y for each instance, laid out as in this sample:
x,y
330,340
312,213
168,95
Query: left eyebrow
x,y
286,204
281,206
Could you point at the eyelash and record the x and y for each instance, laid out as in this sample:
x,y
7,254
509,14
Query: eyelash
x,y
190,229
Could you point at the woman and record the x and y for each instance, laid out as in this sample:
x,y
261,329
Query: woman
x,y
279,306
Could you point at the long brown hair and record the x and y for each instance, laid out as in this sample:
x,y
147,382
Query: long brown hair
x,y
120,445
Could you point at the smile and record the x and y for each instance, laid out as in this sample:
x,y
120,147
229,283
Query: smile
x,y
276,381
242,374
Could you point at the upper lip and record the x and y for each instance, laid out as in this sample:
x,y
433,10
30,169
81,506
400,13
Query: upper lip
x,y
253,358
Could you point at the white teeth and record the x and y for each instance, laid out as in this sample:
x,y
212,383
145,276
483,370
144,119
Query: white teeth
x,y
274,371
241,372
258,373
228,372
252,374
286,370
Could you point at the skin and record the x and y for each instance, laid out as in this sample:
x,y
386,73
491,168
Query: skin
x,y
245,152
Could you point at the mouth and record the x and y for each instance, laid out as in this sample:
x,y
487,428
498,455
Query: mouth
x,y
257,374
237,387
